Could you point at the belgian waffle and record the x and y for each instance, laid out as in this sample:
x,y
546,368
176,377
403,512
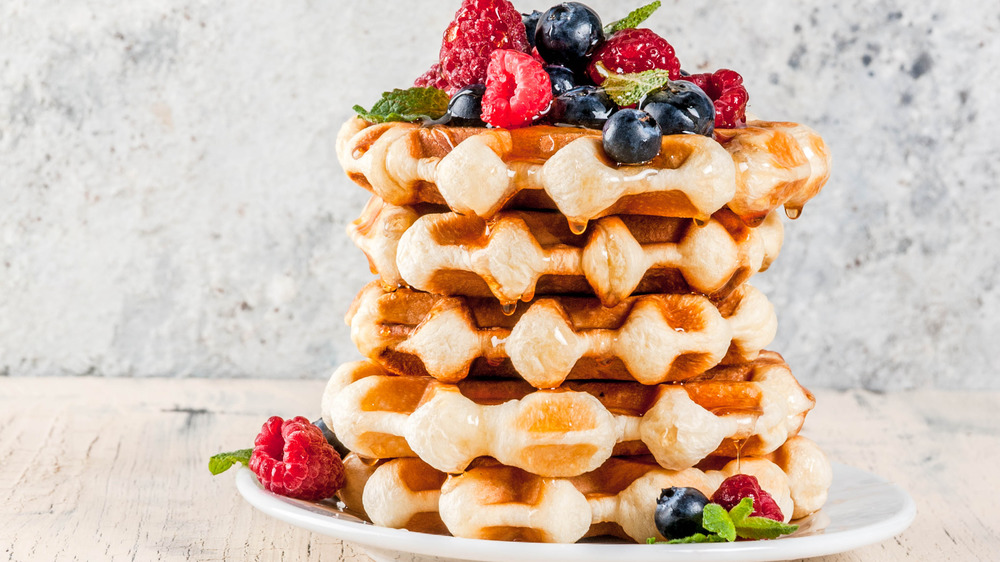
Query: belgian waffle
x,y
650,338
516,253
481,171
493,501
753,408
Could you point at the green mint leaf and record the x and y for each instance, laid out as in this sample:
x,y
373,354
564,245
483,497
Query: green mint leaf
x,y
715,519
651,540
763,528
633,19
413,104
742,510
627,89
698,537
221,462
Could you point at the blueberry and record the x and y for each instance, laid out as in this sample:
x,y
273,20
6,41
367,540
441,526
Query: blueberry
x,y
567,34
561,78
331,438
583,106
530,22
679,512
631,137
681,107
466,107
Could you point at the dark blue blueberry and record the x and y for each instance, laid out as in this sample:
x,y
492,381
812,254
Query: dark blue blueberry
x,y
466,107
679,512
567,34
561,78
530,22
681,107
584,106
331,438
631,137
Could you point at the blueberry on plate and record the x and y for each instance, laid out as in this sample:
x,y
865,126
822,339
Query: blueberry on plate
x,y
631,136
562,79
681,107
679,512
530,22
583,106
567,34
466,107
331,438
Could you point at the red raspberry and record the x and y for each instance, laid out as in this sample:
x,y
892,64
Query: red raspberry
x,y
479,28
739,486
517,90
726,89
432,78
634,50
292,458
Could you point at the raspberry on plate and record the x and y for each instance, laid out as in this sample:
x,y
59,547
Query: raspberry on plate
x,y
479,28
739,486
292,458
634,50
730,97
517,90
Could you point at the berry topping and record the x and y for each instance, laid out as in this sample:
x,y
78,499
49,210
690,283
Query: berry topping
x,y
585,106
530,23
631,137
739,486
681,107
466,107
634,50
561,77
432,79
679,512
567,34
726,89
292,458
517,90
479,28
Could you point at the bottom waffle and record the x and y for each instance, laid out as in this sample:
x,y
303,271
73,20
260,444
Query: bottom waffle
x,y
497,502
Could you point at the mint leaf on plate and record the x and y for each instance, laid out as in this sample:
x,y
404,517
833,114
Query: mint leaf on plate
x,y
633,19
715,519
221,462
627,89
763,528
698,537
742,510
412,104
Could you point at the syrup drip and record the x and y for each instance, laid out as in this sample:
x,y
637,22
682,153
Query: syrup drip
x,y
508,308
738,443
577,227
699,222
793,212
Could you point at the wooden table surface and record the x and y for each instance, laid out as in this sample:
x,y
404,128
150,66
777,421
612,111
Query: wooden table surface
x,y
115,469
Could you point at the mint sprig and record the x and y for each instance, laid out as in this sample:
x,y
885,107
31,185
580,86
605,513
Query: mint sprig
x,y
223,461
412,104
633,19
627,89
723,526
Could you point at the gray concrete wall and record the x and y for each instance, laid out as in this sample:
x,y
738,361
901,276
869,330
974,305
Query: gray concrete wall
x,y
170,202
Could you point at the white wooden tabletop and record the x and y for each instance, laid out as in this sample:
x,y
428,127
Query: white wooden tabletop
x,y
116,469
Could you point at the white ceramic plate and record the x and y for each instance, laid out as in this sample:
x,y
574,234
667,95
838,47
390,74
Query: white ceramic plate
x,y
862,509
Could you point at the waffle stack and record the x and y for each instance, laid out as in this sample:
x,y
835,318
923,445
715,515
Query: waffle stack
x,y
553,338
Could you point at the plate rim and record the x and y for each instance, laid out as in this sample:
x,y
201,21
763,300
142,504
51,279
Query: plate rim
x,y
400,540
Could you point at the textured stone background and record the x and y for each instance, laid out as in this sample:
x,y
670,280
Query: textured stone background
x,y
170,203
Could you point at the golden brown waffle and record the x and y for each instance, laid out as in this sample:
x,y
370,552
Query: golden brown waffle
x,y
753,408
481,171
518,253
650,338
493,501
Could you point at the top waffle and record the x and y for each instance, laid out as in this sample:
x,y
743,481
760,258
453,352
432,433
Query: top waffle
x,y
481,171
